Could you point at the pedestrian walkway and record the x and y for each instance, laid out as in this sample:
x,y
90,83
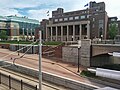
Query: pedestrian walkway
x,y
54,66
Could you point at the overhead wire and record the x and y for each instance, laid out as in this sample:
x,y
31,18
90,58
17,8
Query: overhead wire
x,y
17,57
45,51
1,59
22,55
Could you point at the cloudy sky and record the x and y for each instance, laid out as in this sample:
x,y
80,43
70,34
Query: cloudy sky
x,y
37,9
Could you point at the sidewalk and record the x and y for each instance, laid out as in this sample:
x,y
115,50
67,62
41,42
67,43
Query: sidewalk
x,y
55,66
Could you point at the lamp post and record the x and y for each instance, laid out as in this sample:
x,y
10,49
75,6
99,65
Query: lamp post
x,y
18,46
40,61
78,58
101,37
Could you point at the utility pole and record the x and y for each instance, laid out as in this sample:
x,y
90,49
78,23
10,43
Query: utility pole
x,y
40,60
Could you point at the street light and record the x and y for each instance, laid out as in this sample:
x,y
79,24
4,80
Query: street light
x,y
101,37
40,61
78,58
18,46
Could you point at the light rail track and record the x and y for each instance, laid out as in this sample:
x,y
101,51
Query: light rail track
x,y
30,80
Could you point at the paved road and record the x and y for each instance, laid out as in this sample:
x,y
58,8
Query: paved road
x,y
52,66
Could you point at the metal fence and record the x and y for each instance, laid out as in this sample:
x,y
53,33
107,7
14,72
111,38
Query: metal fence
x,y
15,84
103,42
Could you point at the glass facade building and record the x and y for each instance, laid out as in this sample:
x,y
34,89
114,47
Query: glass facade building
x,y
18,26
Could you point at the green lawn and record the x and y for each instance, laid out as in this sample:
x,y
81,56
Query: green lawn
x,y
28,42
87,73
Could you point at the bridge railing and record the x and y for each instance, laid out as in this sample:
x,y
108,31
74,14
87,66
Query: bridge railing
x,y
103,42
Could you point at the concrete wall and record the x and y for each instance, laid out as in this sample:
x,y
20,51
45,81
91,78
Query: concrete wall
x,y
85,52
70,54
72,84
34,50
6,46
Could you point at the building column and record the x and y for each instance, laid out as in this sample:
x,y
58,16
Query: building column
x,y
51,33
88,30
27,31
56,33
61,33
67,32
73,33
46,33
31,32
23,31
80,32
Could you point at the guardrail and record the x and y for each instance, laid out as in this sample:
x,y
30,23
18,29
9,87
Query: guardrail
x,y
103,42
16,84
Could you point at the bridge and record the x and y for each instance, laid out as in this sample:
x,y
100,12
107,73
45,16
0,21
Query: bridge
x,y
89,50
98,49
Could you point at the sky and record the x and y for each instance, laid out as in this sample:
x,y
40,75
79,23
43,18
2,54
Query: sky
x,y
37,9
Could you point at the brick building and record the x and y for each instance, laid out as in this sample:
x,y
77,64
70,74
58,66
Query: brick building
x,y
90,23
76,25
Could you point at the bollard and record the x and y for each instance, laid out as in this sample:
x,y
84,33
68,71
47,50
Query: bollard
x,y
21,85
9,82
36,87
0,77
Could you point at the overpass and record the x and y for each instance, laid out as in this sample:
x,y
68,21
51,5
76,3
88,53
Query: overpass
x,y
98,49
89,50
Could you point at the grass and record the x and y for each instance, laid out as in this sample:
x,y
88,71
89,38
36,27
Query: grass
x,y
28,42
87,73
52,43
15,42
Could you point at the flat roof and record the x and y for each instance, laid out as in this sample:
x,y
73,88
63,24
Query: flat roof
x,y
19,19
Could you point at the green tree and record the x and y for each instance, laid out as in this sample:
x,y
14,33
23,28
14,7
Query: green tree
x,y
3,35
113,30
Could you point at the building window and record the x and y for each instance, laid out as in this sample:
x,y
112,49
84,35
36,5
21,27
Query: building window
x,y
100,21
56,20
70,18
82,17
96,14
60,19
65,19
113,19
77,17
88,16
116,24
83,12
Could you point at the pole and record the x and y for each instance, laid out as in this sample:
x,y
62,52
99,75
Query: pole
x,y
40,60
78,59
18,47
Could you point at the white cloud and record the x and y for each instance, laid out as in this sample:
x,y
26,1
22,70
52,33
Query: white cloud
x,y
7,12
39,14
7,7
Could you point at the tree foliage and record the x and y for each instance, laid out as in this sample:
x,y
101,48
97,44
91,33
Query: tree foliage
x,y
113,30
3,35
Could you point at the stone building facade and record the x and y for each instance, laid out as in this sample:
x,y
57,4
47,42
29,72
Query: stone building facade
x,y
76,25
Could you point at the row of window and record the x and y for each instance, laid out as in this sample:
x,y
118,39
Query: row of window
x,y
72,18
